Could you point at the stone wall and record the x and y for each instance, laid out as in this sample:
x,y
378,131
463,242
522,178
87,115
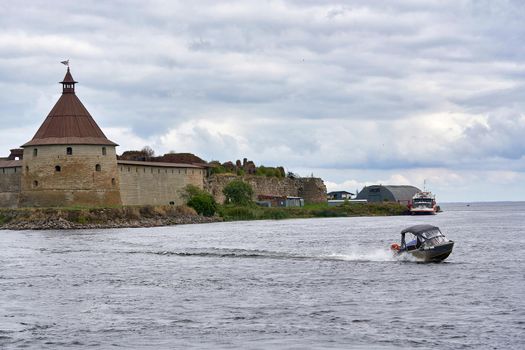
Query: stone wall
x,y
10,186
156,185
51,177
312,190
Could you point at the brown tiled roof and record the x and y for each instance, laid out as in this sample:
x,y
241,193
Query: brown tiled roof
x,y
10,163
160,164
69,122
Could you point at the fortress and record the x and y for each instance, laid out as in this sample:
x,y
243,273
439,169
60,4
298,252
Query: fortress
x,y
70,162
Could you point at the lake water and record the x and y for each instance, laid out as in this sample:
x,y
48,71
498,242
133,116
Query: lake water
x,y
291,284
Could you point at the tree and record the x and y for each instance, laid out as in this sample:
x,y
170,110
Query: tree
x,y
148,151
200,200
238,192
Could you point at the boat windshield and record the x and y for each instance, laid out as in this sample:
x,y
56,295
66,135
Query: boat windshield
x,y
433,237
423,201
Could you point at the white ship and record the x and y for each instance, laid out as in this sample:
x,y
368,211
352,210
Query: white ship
x,y
424,202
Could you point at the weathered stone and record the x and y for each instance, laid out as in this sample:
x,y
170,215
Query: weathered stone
x,y
151,185
229,166
53,178
250,168
10,186
312,190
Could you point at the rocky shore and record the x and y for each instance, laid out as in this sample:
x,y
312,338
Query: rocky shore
x,y
98,218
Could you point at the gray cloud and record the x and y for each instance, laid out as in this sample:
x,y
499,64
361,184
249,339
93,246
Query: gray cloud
x,y
320,84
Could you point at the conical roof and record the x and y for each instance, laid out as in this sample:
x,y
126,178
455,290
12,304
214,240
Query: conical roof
x,y
69,122
68,78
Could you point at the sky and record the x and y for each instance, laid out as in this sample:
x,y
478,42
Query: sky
x,y
357,92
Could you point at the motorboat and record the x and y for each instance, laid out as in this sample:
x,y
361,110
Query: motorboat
x,y
424,242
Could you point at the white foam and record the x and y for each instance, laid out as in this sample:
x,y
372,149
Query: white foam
x,y
364,255
377,255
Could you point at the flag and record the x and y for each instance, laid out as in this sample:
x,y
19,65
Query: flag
x,y
65,63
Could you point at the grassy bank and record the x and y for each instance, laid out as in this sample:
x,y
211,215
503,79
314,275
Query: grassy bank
x,y
145,216
253,212
80,217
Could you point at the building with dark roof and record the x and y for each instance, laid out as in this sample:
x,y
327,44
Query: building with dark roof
x,y
378,193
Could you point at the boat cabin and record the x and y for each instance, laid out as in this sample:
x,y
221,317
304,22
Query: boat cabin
x,y
419,236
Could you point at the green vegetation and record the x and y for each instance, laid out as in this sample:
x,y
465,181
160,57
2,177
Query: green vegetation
x,y
219,169
200,200
4,219
270,171
253,212
238,193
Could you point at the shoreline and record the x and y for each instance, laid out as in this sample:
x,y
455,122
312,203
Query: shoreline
x,y
158,216
99,218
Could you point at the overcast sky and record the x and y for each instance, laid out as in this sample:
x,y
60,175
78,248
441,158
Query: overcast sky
x,y
357,92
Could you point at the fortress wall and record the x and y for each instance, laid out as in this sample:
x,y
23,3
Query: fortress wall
x,y
155,185
77,183
312,190
10,186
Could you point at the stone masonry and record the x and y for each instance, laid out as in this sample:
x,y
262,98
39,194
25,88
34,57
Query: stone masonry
x,y
312,190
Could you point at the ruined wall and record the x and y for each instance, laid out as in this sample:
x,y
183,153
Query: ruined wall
x,y
156,185
80,182
10,186
312,190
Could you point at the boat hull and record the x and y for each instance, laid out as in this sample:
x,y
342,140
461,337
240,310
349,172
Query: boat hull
x,y
423,211
435,254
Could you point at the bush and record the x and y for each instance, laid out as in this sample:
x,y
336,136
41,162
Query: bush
x,y
200,200
238,192
275,214
270,171
238,213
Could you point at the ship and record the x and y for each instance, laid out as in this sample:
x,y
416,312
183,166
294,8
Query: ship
x,y
424,202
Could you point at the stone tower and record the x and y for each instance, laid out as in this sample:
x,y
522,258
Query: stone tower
x,y
69,161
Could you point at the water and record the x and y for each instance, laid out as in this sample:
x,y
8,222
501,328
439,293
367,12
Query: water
x,y
293,284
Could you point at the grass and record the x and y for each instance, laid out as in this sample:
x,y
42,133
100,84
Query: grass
x,y
93,215
322,210
96,215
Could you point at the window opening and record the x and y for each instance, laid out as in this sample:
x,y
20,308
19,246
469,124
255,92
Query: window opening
x,y
69,151
97,167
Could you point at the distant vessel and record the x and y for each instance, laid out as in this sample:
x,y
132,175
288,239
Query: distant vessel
x,y
424,202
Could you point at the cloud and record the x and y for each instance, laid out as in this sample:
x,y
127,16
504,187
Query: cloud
x,y
372,88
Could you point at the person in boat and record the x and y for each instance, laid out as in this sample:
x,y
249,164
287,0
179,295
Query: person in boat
x,y
411,245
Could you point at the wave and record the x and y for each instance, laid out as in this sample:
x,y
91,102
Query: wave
x,y
367,255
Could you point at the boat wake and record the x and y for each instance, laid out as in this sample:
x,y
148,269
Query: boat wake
x,y
375,255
